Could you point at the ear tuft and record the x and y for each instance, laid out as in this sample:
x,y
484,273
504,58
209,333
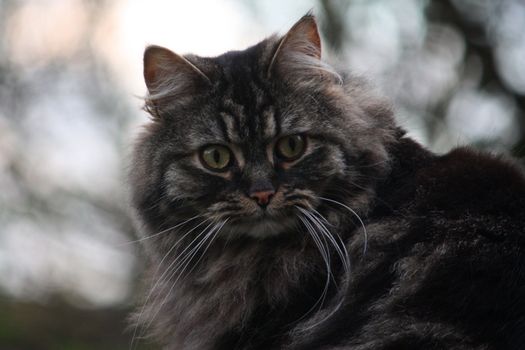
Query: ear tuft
x,y
170,76
304,37
299,52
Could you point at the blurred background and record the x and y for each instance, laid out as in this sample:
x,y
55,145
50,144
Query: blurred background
x,y
70,88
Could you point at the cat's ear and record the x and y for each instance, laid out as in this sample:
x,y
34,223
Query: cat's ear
x,y
298,53
168,75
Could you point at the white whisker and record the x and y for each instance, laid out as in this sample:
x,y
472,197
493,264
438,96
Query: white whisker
x,y
356,215
184,263
324,255
320,216
161,232
318,222
209,244
339,247
160,279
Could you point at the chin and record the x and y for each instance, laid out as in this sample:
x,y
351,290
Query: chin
x,y
260,227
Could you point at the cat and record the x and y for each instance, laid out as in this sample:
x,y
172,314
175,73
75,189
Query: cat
x,y
281,207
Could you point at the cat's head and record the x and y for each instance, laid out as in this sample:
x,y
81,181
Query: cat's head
x,y
254,138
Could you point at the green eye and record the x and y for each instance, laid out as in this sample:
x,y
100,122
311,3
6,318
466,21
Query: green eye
x,y
291,147
216,157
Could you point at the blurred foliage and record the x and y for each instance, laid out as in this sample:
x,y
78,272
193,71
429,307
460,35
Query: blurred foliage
x,y
454,75
482,48
60,326
451,67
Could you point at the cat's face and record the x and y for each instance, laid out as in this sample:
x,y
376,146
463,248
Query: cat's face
x,y
251,138
253,165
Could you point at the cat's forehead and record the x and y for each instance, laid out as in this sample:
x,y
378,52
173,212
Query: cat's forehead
x,y
243,86
247,105
234,122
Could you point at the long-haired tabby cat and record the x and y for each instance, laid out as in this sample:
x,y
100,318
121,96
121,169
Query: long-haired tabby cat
x,y
282,208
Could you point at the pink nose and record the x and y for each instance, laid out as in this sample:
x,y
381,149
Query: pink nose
x,y
262,197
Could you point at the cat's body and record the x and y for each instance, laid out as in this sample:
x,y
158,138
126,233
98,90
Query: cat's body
x,y
435,245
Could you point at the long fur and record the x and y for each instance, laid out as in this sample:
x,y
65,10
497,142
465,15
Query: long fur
x,y
369,242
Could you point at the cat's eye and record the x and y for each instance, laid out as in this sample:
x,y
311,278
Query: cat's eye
x,y
290,147
216,157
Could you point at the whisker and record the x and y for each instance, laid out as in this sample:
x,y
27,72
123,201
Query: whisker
x,y
209,244
321,217
333,311
160,279
356,215
175,245
324,255
348,193
183,265
339,247
314,225
375,164
323,296
161,232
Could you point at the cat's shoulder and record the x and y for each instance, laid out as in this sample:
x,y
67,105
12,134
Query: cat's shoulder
x,y
468,167
469,179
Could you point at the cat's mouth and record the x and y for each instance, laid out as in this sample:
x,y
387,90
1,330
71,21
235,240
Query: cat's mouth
x,y
262,226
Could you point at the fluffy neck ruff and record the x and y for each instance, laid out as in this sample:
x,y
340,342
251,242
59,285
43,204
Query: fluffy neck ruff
x,y
245,291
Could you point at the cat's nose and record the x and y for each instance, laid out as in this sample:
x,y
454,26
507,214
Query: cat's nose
x,y
262,197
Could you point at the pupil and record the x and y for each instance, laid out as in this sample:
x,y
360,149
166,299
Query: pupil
x,y
216,156
292,144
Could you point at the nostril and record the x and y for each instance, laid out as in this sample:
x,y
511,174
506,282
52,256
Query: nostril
x,y
262,197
